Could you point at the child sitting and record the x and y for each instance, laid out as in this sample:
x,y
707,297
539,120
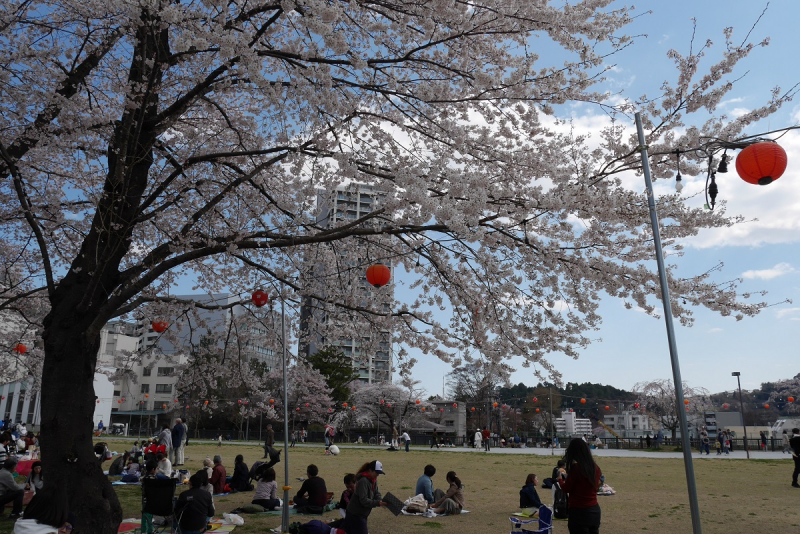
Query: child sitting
x,y
350,488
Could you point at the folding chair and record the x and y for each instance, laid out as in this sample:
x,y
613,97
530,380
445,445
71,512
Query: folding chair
x,y
158,499
545,523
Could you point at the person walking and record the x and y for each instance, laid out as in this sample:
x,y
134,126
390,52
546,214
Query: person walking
x,y
794,442
486,435
478,438
763,441
434,439
705,442
785,438
269,441
406,439
581,483
395,443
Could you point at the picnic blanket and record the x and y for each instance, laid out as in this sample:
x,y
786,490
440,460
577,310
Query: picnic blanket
x,y
404,512
217,525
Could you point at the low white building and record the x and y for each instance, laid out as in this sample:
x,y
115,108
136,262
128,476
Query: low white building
x,y
21,404
628,424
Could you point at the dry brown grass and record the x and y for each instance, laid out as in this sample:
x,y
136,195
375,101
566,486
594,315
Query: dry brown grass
x,y
735,495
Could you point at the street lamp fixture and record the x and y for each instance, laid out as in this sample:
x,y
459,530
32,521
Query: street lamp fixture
x,y
741,407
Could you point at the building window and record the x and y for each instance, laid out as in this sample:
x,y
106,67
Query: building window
x,y
147,371
166,371
145,388
117,393
163,388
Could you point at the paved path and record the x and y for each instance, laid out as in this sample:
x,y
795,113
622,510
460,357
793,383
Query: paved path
x,y
537,451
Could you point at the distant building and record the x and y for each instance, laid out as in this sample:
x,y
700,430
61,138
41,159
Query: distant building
x,y
628,424
371,351
452,419
571,425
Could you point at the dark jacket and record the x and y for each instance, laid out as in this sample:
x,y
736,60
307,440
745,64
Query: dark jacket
x,y
240,481
528,497
193,508
316,490
177,435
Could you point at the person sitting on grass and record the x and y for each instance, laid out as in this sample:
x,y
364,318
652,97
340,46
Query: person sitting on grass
x,y
313,494
47,513
451,502
118,464
425,484
34,481
266,494
347,494
10,491
194,507
240,481
528,496
218,475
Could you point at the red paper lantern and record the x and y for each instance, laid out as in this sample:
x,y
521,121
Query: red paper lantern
x,y
571,410
791,399
725,406
378,275
455,405
417,401
494,404
272,401
98,402
163,406
536,399
159,326
766,406
388,405
383,401
761,163
146,396
187,406
297,409
423,408
686,401
354,409
118,402
537,410
504,406
687,408
583,401
4,398
239,401
330,410
19,348
441,409
307,405
607,408
260,298
344,404
636,405
176,400
473,408
205,402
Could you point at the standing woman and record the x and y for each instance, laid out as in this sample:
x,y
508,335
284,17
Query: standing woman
x,y
364,499
581,485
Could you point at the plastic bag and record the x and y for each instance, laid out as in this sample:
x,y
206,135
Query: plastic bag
x,y
416,504
233,519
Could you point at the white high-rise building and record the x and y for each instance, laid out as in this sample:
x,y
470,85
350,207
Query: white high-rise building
x,y
371,352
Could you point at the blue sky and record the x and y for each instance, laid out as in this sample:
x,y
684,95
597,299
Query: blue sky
x,y
765,253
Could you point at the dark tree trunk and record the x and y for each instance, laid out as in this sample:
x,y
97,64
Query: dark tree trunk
x,y
68,403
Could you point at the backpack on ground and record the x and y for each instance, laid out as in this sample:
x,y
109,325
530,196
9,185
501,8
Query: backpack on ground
x,y
560,504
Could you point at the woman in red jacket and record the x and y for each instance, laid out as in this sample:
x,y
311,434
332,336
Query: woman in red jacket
x,y
581,483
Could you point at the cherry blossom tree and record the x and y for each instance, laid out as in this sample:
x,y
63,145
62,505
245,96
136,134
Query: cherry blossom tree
x,y
145,143
657,399
307,391
394,405
780,393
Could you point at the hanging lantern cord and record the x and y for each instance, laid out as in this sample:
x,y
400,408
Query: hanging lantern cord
x,y
711,188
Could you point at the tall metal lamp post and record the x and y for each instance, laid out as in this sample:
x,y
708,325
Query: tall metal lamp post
x,y
741,408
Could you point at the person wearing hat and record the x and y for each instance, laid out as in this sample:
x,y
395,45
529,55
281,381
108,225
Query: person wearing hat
x,y
364,499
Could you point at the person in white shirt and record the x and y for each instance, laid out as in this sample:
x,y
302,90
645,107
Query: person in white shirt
x,y
406,439
164,465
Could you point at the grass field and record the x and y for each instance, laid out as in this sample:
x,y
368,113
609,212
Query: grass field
x,y
734,495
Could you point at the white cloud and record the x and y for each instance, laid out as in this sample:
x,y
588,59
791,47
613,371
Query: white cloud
x,y
780,314
779,269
